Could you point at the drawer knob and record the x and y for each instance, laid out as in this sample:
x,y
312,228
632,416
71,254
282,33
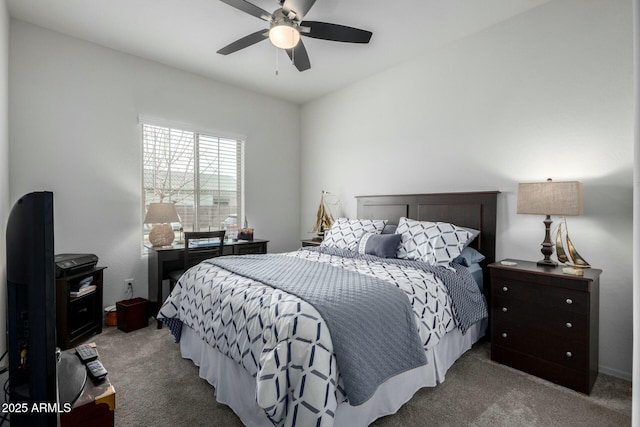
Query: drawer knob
x,y
569,325
569,354
505,289
504,335
504,309
569,301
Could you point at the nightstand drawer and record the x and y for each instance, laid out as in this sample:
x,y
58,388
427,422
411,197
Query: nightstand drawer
x,y
559,374
528,272
532,293
565,324
555,349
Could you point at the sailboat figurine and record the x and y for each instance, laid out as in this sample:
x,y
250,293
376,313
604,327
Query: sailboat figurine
x,y
324,219
577,262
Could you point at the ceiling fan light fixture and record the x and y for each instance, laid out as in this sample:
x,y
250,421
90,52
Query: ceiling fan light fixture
x,y
284,35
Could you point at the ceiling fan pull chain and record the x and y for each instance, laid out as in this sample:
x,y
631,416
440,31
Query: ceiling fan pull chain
x,y
276,51
293,56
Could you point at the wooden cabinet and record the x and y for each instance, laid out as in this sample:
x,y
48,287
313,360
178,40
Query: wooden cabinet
x,y
78,317
311,242
545,322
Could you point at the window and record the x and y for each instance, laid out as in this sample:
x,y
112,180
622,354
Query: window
x,y
200,172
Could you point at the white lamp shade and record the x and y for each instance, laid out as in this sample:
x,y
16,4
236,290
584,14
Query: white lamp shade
x,y
161,213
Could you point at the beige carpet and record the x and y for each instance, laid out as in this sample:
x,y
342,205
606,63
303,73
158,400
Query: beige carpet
x,y
156,387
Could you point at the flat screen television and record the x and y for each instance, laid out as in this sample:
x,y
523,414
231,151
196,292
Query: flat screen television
x,y
31,311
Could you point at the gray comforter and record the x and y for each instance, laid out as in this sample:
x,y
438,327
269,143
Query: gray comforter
x,y
469,305
371,322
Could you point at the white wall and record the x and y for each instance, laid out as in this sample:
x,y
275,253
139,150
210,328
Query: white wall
x,y
545,94
635,406
74,110
4,163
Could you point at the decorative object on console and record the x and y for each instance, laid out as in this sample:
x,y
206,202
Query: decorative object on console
x,y
550,198
324,219
161,214
577,261
245,233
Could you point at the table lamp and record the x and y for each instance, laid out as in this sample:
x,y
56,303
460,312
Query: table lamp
x,y
550,198
161,214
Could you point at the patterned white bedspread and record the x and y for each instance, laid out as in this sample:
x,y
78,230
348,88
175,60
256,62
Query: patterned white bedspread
x,y
282,341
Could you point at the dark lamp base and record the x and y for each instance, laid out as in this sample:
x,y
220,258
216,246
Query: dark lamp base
x,y
547,263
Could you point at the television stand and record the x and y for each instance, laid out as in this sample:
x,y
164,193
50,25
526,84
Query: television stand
x,y
96,404
72,377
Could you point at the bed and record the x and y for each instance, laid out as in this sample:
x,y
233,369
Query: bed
x,y
278,354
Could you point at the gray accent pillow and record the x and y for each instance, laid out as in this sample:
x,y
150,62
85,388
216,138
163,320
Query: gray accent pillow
x,y
389,229
469,256
380,245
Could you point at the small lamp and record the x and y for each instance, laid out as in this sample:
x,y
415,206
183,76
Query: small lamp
x,y
550,198
161,214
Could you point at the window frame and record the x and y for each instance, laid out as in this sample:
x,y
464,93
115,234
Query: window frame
x,y
198,134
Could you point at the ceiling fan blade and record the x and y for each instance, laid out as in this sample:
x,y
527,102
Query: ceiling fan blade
x,y
300,7
246,41
334,32
249,8
299,56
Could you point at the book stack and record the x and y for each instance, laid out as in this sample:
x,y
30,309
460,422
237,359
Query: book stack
x,y
84,287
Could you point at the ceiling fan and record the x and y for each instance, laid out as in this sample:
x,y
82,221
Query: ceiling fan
x,y
286,26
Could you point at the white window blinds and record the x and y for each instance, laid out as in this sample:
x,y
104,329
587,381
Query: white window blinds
x,y
201,173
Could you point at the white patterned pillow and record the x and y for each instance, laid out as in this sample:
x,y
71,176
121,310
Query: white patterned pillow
x,y
346,233
437,243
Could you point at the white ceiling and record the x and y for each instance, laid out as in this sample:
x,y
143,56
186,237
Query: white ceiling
x,y
187,33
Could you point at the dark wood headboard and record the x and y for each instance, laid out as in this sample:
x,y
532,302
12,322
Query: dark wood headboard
x,y
474,210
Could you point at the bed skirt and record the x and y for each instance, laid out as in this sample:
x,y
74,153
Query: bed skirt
x,y
236,388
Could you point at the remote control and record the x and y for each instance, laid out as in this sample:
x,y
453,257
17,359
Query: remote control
x,y
96,370
86,353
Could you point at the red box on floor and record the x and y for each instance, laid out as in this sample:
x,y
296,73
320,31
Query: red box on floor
x,y
132,314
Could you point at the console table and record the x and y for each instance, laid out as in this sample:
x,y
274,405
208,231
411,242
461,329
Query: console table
x,y
164,259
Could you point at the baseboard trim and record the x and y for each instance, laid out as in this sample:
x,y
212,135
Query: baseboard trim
x,y
614,373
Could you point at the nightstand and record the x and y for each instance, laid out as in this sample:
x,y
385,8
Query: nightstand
x,y
545,322
311,242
